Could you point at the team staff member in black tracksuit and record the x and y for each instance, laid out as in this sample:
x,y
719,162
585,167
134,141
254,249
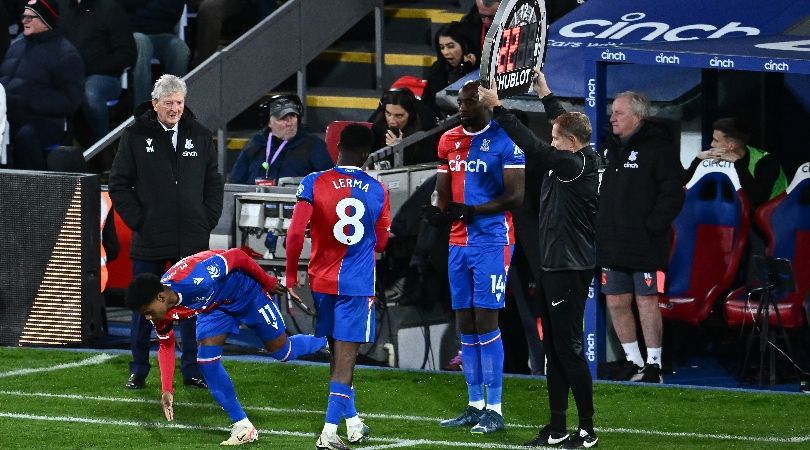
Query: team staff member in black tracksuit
x,y
165,185
641,194
568,203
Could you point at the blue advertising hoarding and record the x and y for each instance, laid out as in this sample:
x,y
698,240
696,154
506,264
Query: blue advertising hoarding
x,y
613,23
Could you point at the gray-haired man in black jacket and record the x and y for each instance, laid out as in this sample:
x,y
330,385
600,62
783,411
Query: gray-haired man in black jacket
x,y
641,194
165,185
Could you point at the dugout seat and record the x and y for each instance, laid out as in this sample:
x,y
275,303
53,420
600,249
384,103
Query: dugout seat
x,y
332,137
785,219
709,238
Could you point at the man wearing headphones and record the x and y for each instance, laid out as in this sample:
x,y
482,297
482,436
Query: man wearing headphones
x,y
282,149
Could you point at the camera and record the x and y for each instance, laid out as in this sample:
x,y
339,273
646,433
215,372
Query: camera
x,y
773,273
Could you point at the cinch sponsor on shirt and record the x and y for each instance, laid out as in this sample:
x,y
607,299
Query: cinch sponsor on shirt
x,y
460,165
342,183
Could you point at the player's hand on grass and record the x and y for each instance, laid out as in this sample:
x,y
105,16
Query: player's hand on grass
x,y
166,401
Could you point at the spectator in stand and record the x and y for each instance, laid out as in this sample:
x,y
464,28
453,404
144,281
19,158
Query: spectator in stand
x,y
153,25
455,57
43,77
640,195
400,115
283,148
210,16
478,20
761,176
100,30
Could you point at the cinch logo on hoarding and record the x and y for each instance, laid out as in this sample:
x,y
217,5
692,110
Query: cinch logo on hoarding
x,y
590,352
725,63
776,66
605,29
612,56
667,59
591,93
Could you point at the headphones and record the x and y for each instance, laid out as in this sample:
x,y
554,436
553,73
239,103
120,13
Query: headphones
x,y
277,103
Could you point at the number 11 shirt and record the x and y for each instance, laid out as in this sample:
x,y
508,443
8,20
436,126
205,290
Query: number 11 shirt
x,y
349,218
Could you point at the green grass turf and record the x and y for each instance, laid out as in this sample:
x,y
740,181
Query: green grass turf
x,y
89,408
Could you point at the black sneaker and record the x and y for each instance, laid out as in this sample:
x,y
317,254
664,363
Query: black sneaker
x,y
490,422
582,439
650,374
622,371
471,416
547,437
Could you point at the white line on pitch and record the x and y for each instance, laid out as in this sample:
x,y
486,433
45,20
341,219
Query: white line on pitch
x,y
167,425
98,359
723,437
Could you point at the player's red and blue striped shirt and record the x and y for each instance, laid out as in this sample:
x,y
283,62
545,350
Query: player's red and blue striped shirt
x,y
349,219
475,162
205,281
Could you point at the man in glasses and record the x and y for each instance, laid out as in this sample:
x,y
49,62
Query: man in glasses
x,y
44,77
283,148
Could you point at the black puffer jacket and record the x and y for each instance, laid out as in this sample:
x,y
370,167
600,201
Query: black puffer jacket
x,y
640,196
43,77
568,194
171,200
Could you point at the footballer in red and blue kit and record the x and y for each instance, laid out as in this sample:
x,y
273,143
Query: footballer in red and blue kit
x,y
349,217
480,177
223,289
480,250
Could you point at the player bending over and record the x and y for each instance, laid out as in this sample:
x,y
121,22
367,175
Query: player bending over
x,y
222,288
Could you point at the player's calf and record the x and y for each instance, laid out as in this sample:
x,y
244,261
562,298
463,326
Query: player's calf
x,y
296,346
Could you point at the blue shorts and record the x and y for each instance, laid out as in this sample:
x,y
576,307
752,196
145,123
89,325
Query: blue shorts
x,y
261,314
478,276
346,318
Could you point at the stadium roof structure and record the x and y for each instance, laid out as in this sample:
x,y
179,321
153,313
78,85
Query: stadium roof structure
x,y
691,26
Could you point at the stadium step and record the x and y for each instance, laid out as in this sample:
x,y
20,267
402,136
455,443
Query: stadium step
x,y
341,80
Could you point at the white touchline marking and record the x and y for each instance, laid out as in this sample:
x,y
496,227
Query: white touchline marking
x,y
98,359
724,437
170,425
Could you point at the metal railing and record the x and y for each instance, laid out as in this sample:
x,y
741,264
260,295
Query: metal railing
x,y
279,46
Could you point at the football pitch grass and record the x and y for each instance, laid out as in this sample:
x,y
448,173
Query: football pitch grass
x,y
65,399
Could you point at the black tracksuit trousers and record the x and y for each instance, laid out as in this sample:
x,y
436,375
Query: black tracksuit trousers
x,y
562,296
